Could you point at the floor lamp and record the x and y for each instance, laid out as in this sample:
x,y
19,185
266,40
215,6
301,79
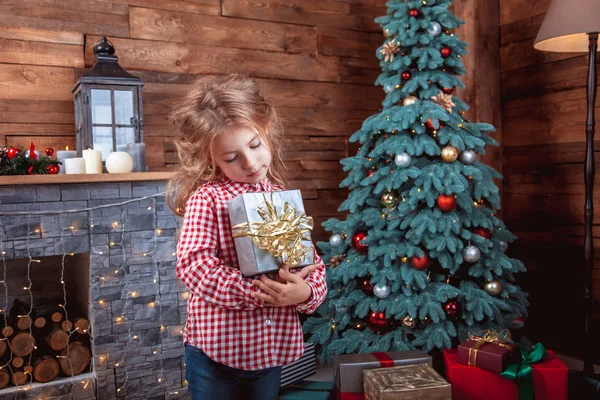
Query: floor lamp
x,y
573,26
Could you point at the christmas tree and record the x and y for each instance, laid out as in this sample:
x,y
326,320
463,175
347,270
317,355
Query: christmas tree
x,y
419,261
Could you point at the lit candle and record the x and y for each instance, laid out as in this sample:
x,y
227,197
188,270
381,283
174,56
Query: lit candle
x,y
93,161
119,162
62,155
75,165
137,151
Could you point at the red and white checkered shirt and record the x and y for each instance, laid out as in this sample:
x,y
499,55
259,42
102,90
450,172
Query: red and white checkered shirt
x,y
231,327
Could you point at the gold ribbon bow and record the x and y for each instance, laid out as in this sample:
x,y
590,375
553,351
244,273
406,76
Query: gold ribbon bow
x,y
281,235
501,339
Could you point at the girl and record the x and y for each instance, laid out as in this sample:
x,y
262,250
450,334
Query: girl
x,y
239,331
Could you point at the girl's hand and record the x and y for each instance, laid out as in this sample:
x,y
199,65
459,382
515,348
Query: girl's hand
x,y
302,272
289,289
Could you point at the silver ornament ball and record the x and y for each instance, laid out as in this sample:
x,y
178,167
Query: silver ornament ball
x,y
503,245
409,101
471,254
493,288
435,29
403,160
336,240
468,157
388,88
37,153
381,290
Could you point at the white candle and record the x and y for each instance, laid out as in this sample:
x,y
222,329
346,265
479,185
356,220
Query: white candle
x,y
75,165
93,161
62,155
119,162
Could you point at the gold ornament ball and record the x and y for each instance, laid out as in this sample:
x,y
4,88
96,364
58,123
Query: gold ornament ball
x,y
409,100
493,288
388,199
409,322
449,154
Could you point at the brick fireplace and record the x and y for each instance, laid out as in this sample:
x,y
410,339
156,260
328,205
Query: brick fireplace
x,y
108,249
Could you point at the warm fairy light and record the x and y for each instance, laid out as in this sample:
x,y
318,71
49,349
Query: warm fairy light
x,y
3,252
117,364
135,337
158,231
100,253
149,208
159,379
37,230
151,304
91,225
115,224
116,271
173,254
71,227
404,259
162,328
112,243
155,352
119,319
133,294
145,254
333,326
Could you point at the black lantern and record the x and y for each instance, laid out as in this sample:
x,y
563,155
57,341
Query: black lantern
x,y
108,104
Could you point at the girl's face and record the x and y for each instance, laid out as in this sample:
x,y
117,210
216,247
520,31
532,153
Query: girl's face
x,y
242,155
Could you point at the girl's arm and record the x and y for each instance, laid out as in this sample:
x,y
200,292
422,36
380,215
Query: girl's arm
x,y
316,281
198,264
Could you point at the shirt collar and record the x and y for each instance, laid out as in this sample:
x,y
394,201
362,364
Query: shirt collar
x,y
238,187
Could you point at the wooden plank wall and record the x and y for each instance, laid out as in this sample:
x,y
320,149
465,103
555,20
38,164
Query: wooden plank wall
x,y
315,59
543,118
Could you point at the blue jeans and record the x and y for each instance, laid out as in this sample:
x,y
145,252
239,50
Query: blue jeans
x,y
207,379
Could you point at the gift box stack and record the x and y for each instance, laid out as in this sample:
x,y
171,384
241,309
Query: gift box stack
x,y
391,375
488,366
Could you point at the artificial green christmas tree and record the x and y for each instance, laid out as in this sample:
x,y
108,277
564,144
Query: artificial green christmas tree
x,y
419,261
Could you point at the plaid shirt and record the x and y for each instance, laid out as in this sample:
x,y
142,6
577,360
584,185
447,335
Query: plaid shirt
x,y
231,327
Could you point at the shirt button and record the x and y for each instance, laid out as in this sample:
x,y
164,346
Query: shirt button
x,y
268,322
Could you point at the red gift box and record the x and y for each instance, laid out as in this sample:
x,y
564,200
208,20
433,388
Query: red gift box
x,y
472,383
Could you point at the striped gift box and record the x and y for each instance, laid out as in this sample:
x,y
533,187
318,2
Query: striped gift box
x,y
302,368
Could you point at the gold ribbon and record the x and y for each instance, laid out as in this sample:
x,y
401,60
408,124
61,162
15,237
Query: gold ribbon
x,y
501,339
281,235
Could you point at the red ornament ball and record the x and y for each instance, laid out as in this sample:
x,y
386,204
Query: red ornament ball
x,y
430,125
30,170
365,285
370,173
406,75
414,13
12,152
49,151
520,322
446,202
52,169
378,322
446,52
486,233
357,242
448,90
452,308
420,263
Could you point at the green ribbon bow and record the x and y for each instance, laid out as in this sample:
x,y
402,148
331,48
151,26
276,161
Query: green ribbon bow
x,y
521,372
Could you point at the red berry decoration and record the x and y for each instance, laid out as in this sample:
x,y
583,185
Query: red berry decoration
x,y
370,173
486,233
448,90
446,202
30,170
452,308
378,322
420,263
430,125
446,52
52,169
406,75
357,242
49,151
365,285
12,152
414,13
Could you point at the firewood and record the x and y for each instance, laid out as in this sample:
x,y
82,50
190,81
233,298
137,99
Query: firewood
x,y
76,358
22,344
57,338
18,362
21,377
24,322
3,346
7,331
82,326
4,378
40,322
66,325
45,369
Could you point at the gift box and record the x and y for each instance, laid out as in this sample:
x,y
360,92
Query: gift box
x,y
471,383
270,228
302,368
489,352
307,390
348,369
407,382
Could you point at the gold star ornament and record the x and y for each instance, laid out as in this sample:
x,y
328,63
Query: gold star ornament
x,y
389,50
444,100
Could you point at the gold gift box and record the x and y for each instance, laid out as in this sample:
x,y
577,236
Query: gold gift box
x,y
414,382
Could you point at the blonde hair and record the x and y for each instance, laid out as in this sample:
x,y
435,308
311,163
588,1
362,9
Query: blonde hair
x,y
212,106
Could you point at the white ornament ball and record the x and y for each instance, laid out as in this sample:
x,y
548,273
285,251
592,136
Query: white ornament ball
x,y
336,240
409,100
119,162
381,290
493,287
503,245
471,254
403,160
435,29
388,88
468,157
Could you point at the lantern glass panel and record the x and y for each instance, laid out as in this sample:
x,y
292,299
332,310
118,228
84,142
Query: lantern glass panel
x,y
124,137
103,140
123,107
101,107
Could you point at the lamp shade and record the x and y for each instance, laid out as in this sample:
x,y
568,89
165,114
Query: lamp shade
x,y
567,24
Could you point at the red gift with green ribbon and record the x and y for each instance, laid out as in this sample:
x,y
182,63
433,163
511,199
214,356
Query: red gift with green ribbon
x,y
521,372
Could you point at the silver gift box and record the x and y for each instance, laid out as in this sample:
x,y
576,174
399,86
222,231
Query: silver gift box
x,y
245,209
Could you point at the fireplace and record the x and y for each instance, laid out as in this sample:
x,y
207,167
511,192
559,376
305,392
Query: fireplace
x,y
103,253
